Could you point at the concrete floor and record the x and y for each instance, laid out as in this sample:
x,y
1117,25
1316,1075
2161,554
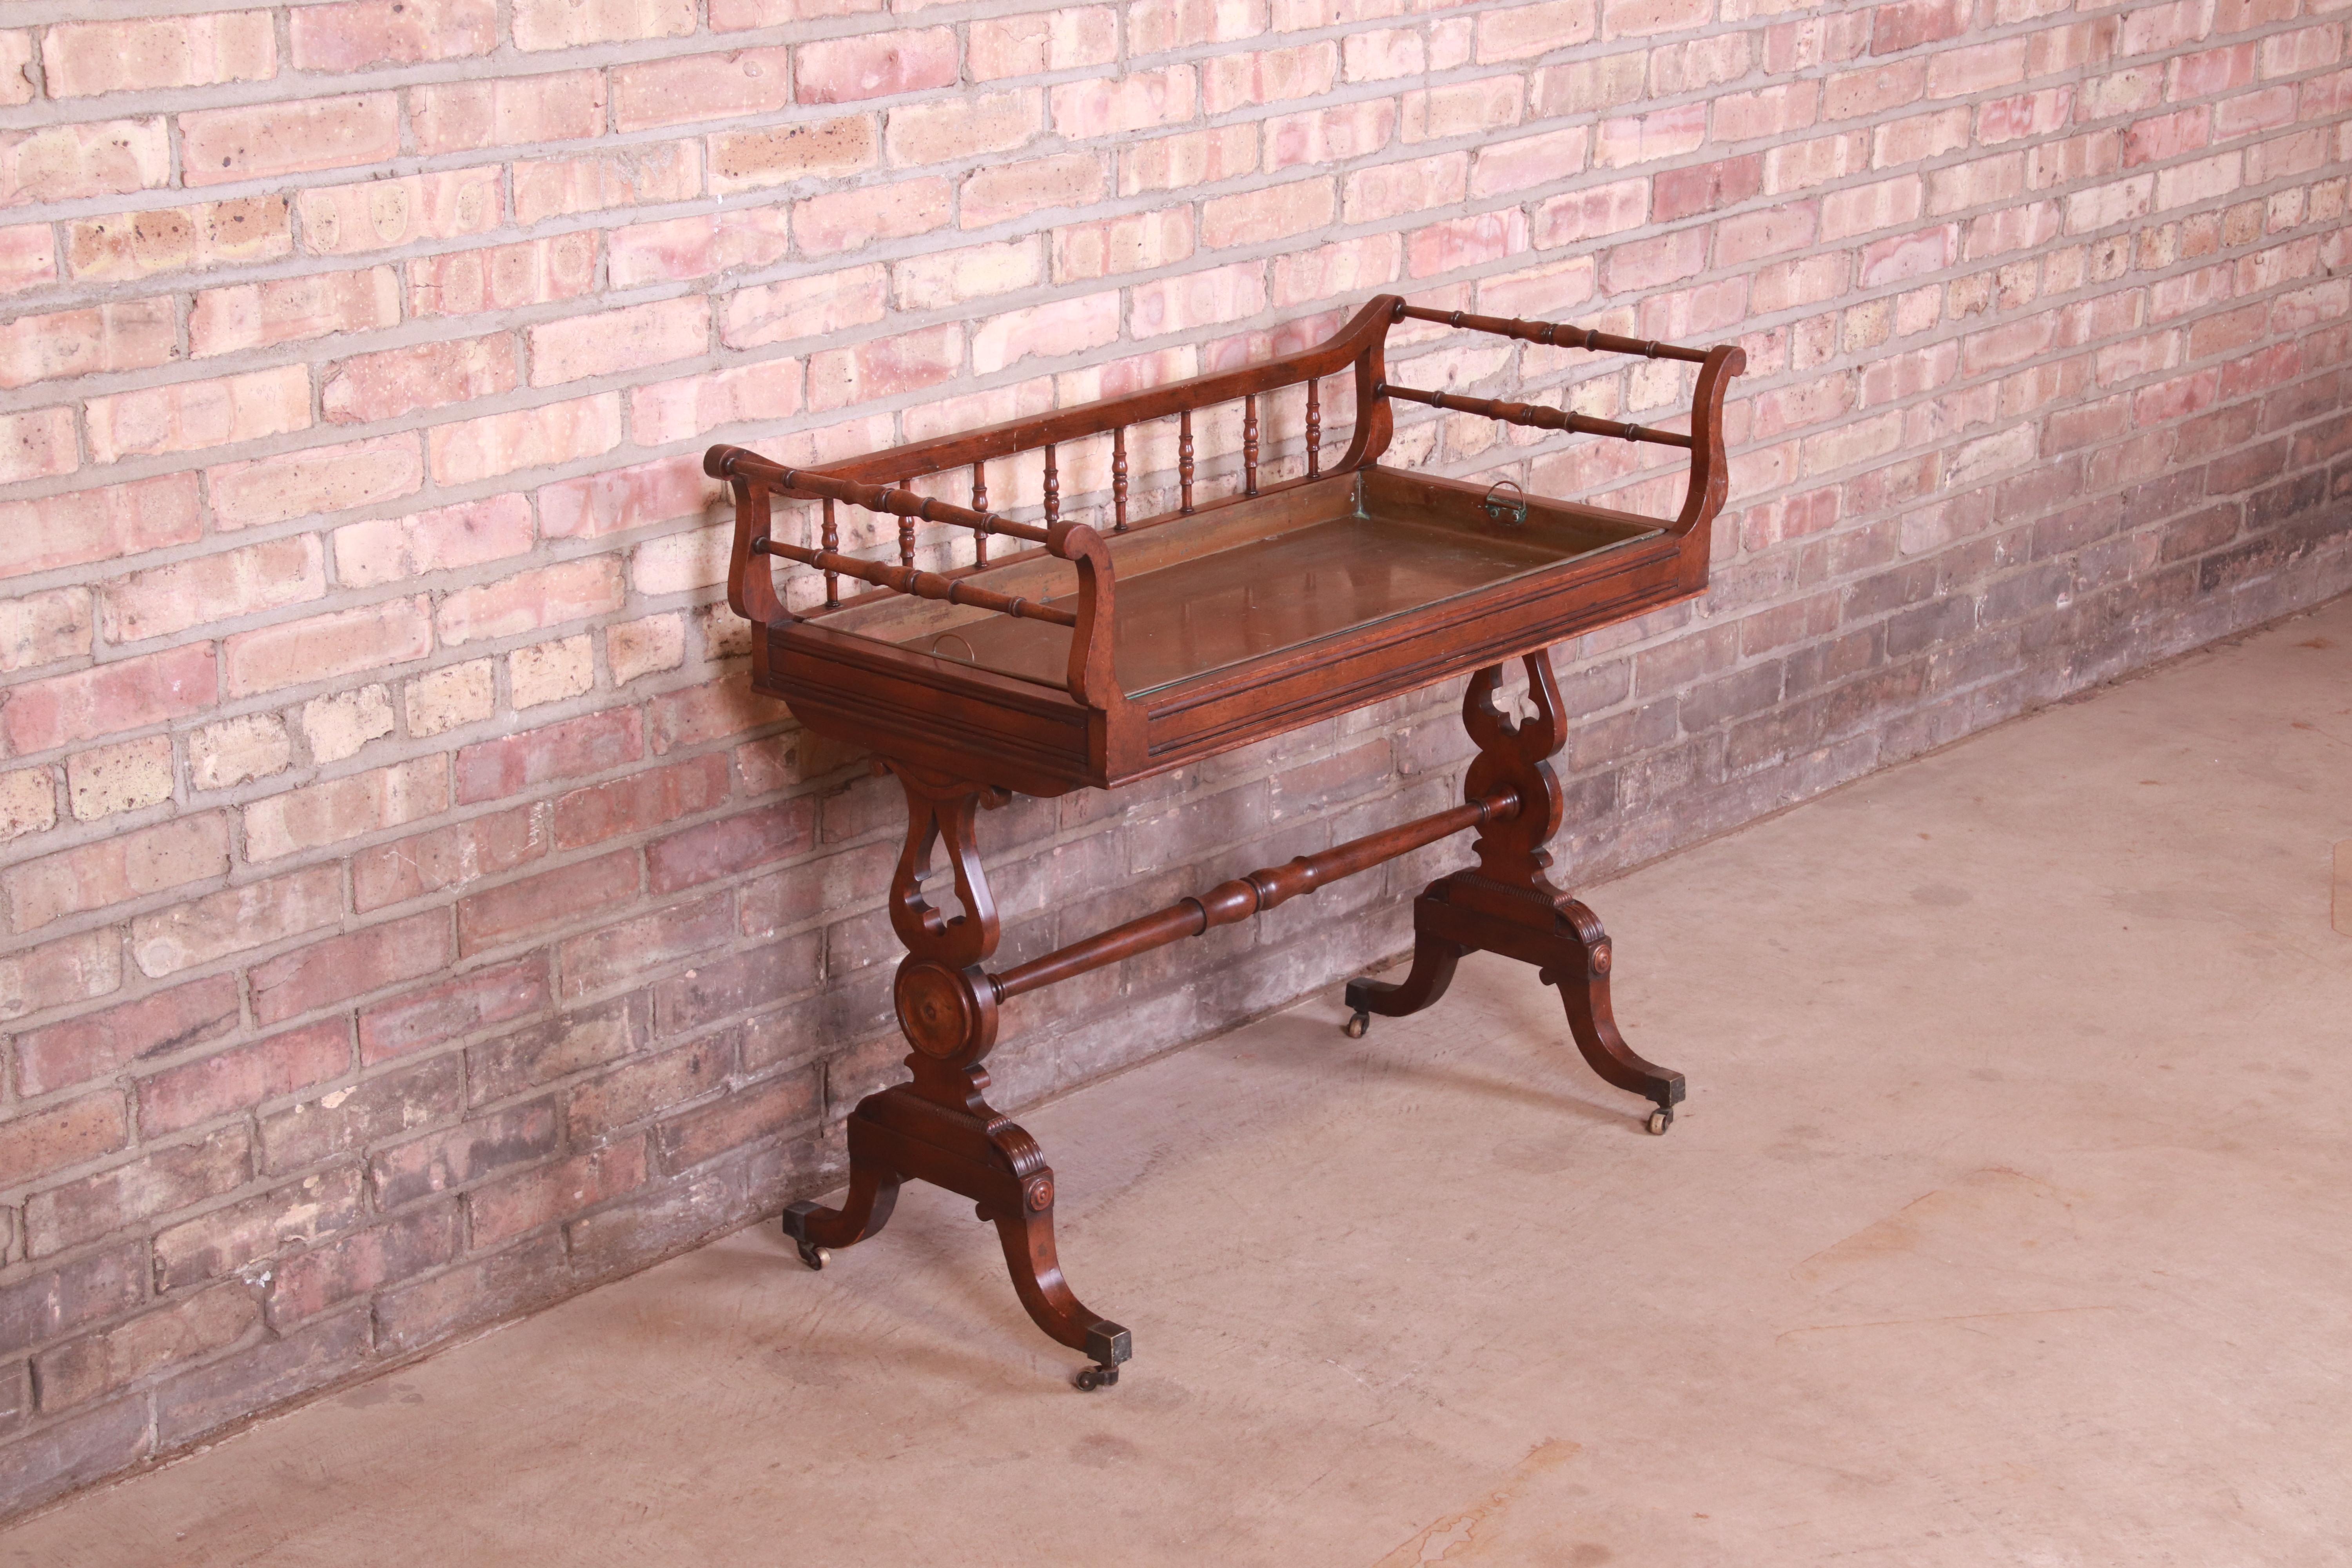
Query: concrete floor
x,y
2007,1222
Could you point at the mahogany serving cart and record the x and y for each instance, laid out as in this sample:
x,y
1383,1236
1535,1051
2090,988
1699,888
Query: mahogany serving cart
x,y
1099,657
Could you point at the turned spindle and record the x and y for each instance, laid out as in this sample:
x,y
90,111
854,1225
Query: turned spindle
x,y
1184,459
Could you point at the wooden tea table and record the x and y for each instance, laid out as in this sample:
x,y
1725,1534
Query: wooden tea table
x,y
1095,657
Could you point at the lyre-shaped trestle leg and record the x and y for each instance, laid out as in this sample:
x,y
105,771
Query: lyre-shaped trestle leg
x,y
937,1127
1508,905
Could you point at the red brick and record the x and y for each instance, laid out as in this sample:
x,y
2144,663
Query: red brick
x,y
44,629
98,1044
1065,38
134,334
388,549
619,952
506,112
211,588
1064,327
190,414
853,219
1640,138
440,1161
356,1265
875,65
1465,242
999,192
723,86
124,695
1525,31
116,248
237,1077
646,1087
345,966
711,991
82,59
28,258
567,24
533,601
1388,190
36,444
115,869
551,187
706,712
503,277
447,857
639,802
73,969
677,249
356,34
98,158
590,745
265,141
357,1115
572,1041
41,1307
732,844
268,1371
781,154
83,1370
502,1209
884,367
368,387
696,404
810,307
252,915
566,894
163,1180
36,1143
808,891
1276,212
552,433
317,479
323,647
612,341
434,1015
502,1285
289,309
1650,263
295,1215
753,1114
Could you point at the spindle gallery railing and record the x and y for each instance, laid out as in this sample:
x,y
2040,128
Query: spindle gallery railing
x,y
1359,346
1318,592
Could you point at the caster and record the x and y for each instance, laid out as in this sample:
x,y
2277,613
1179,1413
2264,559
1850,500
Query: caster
x,y
1660,1120
1358,1022
793,1219
1093,1377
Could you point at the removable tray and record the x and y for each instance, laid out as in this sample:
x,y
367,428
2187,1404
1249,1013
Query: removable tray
x,y
1259,576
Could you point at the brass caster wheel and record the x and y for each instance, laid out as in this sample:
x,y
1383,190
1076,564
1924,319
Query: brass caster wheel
x,y
1358,1022
1660,1120
1093,1377
794,1221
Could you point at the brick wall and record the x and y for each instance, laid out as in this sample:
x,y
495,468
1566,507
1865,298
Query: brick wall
x,y
408,918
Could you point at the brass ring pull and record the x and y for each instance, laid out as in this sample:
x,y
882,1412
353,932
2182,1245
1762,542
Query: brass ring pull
x,y
970,655
1510,514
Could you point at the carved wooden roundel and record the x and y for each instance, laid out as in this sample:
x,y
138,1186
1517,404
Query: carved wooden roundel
x,y
934,1009
1041,1195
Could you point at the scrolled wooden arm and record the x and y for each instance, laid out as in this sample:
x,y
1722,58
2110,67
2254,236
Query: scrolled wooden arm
x,y
1710,468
